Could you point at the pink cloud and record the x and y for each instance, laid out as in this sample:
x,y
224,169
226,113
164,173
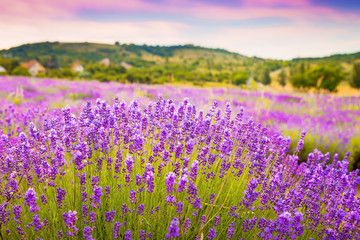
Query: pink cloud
x,y
24,21
67,8
298,11
263,3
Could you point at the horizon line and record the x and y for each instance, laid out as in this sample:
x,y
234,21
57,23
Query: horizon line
x,y
185,44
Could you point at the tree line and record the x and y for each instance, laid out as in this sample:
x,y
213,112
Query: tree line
x,y
304,76
301,75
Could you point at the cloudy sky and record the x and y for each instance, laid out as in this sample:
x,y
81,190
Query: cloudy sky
x,y
281,29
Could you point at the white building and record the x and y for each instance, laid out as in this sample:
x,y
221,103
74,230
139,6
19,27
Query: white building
x,y
126,65
2,69
106,62
34,67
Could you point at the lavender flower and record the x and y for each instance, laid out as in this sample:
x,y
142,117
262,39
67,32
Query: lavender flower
x,y
30,200
142,235
179,208
212,233
116,230
182,183
127,235
231,230
70,221
17,210
43,199
217,220
96,197
187,224
133,196
170,181
202,220
92,217
129,163
141,208
36,223
109,216
170,199
60,197
173,231
87,233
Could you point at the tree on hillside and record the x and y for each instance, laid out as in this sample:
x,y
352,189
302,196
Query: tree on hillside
x,y
282,77
266,80
297,77
325,77
52,63
355,78
68,74
261,74
240,77
9,64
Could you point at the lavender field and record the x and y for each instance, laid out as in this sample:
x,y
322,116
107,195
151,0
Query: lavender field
x,y
90,160
332,122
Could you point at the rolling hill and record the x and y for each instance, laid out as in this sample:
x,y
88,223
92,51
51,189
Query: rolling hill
x,y
158,64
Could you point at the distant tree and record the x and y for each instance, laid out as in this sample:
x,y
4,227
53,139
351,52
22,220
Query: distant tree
x,y
282,77
256,72
325,77
355,77
117,43
240,77
9,64
55,73
84,75
20,71
263,76
297,77
196,63
67,73
52,63
298,81
302,68
137,77
273,64
41,75
285,64
101,77
222,77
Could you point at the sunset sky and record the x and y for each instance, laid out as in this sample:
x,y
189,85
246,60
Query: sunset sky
x,y
281,29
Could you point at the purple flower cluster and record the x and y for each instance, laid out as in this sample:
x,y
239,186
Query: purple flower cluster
x,y
173,231
70,222
60,196
109,216
170,181
30,200
87,233
36,223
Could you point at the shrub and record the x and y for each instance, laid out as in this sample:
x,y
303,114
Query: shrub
x,y
20,71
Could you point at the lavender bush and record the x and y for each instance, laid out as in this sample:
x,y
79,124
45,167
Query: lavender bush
x,y
166,171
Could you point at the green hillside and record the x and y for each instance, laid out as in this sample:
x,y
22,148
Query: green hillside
x,y
180,63
95,52
347,58
157,63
